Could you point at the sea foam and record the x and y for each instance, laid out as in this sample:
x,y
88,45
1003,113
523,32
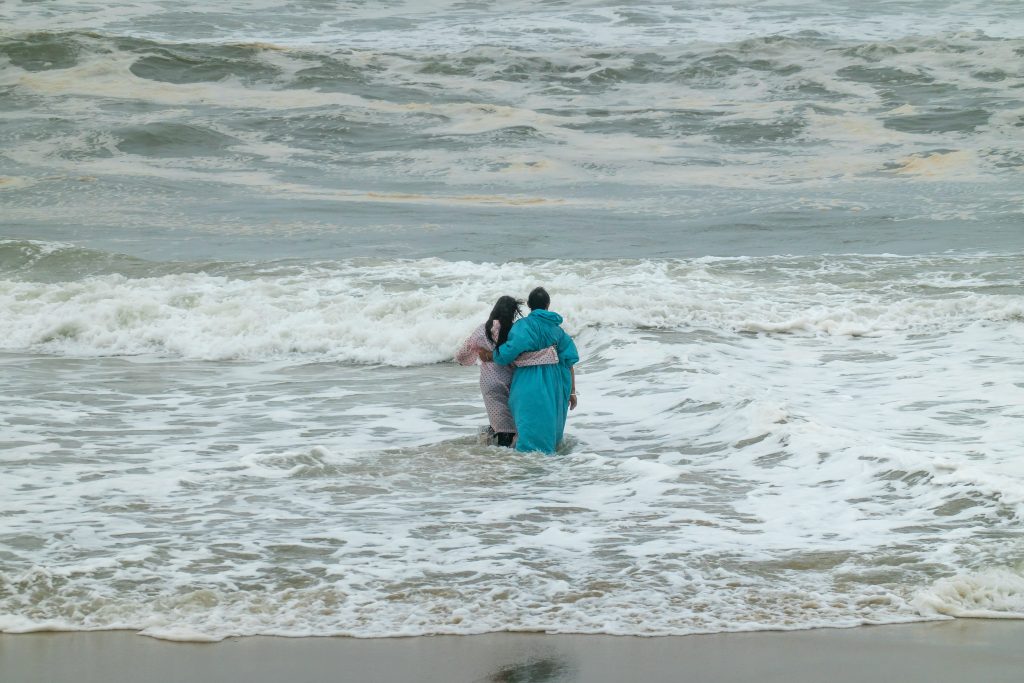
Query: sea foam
x,y
416,312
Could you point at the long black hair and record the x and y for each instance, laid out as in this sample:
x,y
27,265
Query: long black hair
x,y
505,311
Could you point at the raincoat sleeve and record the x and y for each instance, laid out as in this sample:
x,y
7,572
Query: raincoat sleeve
x,y
519,340
567,353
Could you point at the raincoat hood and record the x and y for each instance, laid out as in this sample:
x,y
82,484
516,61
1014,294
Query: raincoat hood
x,y
546,316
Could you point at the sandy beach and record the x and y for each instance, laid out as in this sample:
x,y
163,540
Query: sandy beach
x,y
959,650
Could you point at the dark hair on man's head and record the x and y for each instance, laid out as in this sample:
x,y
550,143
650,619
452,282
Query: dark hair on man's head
x,y
505,311
538,299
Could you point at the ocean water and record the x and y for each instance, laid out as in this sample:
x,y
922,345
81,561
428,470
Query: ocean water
x,y
239,245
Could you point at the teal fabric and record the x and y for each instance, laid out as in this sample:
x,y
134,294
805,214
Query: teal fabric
x,y
539,395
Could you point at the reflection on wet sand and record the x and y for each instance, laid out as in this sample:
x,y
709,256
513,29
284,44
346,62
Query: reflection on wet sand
x,y
534,671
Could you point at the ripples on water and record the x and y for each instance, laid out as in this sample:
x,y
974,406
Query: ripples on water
x,y
730,406
239,246
371,135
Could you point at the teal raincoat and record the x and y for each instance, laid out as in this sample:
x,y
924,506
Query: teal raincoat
x,y
539,395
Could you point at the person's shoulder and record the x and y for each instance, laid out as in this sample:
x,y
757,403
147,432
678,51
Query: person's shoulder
x,y
524,322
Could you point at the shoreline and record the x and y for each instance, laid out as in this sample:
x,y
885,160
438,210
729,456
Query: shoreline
x,y
954,650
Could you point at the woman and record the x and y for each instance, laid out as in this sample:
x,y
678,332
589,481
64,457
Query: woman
x,y
495,379
540,396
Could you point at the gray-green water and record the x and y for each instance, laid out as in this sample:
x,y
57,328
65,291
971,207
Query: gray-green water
x,y
238,246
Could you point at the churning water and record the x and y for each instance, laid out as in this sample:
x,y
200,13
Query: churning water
x,y
239,246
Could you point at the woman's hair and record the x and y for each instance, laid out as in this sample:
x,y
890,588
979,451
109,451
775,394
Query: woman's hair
x,y
538,299
505,311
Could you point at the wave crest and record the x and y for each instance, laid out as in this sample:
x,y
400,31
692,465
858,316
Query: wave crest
x,y
414,312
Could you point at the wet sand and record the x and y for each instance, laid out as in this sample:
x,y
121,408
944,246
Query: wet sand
x,y
959,650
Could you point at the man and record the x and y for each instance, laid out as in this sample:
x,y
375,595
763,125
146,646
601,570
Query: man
x,y
541,395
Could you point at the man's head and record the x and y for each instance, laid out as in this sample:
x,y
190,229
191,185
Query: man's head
x,y
538,299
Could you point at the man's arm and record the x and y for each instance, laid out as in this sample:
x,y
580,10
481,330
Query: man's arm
x,y
572,392
519,340
567,352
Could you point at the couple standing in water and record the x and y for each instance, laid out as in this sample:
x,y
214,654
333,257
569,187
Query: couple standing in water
x,y
526,376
